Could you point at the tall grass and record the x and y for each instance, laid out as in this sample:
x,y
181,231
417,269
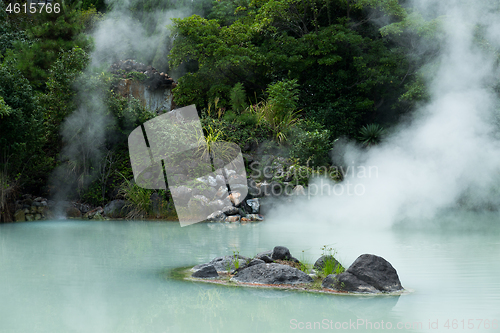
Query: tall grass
x,y
139,199
279,119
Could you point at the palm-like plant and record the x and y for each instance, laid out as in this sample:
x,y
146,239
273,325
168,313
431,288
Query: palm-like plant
x,y
371,134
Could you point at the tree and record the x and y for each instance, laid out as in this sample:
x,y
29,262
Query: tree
x,y
21,121
346,69
51,34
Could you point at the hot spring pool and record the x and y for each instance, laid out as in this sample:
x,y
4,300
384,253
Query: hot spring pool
x,y
84,276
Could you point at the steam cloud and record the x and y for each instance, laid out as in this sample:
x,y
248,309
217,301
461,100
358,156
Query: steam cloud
x,y
119,36
448,155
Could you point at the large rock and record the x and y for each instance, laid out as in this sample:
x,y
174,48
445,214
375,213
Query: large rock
x,y
376,271
272,274
19,216
73,212
227,263
348,282
205,272
116,209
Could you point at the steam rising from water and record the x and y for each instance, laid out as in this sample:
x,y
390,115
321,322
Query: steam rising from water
x,y
448,155
85,132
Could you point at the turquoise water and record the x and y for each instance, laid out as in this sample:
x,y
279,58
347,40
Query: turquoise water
x,y
79,276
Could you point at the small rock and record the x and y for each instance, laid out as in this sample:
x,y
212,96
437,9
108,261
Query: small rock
x,y
254,204
234,197
299,190
93,212
212,181
329,281
221,181
233,218
207,271
230,210
216,205
266,259
254,217
217,216
221,193
281,253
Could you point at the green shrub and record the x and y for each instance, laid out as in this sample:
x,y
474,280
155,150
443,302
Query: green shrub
x,y
237,97
310,143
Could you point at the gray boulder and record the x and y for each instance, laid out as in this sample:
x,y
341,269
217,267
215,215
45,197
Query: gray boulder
x,y
329,281
230,210
253,262
281,253
376,271
116,209
272,274
265,256
222,264
207,271
348,282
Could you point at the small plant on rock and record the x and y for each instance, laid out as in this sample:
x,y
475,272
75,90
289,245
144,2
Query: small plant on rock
x,y
305,265
330,264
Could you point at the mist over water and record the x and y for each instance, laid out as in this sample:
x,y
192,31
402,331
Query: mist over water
x,y
447,156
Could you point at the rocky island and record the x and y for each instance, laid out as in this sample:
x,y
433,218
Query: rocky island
x,y
277,268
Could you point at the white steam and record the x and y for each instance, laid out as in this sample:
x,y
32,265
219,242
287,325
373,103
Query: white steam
x,y
449,154
118,36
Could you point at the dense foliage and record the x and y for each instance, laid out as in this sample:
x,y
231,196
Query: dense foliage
x,y
283,77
